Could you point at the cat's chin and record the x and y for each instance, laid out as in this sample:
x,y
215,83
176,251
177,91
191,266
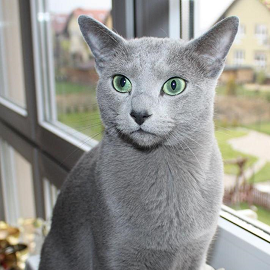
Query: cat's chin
x,y
145,139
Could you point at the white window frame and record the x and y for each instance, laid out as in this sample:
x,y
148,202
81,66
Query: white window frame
x,y
261,33
260,60
240,34
239,57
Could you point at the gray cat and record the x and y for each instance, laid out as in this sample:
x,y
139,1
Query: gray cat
x,y
148,196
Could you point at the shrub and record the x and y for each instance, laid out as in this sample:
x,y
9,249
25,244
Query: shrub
x,y
231,87
260,77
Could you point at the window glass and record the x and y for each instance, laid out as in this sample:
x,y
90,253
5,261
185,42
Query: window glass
x,y
11,61
17,185
242,106
50,196
68,76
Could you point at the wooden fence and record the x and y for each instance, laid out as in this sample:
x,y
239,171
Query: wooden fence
x,y
247,193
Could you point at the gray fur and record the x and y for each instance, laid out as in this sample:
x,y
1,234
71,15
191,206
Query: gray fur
x,y
151,199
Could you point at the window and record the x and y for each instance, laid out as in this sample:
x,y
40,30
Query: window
x,y
241,33
17,185
50,196
12,90
239,57
261,33
260,60
49,116
239,119
68,78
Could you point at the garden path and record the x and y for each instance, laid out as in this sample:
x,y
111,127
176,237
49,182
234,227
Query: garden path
x,y
256,144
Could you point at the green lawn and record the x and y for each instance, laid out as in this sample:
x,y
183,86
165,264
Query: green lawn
x,y
263,213
223,135
263,175
261,127
63,88
242,91
88,123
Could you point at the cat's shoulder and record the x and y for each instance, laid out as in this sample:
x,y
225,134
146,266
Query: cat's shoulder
x,y
84,170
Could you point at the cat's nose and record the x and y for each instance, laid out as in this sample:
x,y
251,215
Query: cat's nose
x,y
140,117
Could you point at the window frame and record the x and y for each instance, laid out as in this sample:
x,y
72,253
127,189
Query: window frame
x,y
35,139
29,153
239,57
17,117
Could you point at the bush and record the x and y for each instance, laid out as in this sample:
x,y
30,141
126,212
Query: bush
x,y
231,87
260,77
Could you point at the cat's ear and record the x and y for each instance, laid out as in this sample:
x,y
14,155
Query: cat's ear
x,y
102,41
214,45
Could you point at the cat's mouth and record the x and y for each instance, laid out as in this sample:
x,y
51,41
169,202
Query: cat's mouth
x,y
141,137
142,131
144,138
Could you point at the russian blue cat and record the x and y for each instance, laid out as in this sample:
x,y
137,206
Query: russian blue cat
x,y
148,195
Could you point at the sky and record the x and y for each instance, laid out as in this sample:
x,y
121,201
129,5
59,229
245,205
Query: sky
x,y
66,6
209,10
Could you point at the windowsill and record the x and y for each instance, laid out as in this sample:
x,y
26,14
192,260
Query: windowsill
x,y
253,226
236,248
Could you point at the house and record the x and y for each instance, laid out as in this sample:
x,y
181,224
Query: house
x,y
251,48
72,56
77,47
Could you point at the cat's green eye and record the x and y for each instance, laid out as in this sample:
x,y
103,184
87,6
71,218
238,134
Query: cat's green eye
x,y
174,86
121,84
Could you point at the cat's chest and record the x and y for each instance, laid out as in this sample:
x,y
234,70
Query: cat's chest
x,y
154,191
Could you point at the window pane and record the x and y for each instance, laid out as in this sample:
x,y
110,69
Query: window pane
x,y
17,182
69,76
50,195
11,61
242,106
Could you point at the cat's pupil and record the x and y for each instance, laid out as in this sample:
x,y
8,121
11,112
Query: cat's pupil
x,y
173,85
123,81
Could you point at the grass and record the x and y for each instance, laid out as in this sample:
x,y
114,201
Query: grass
x,y
263,175
242,91
228,152
263,213
63,88
261,127
89,123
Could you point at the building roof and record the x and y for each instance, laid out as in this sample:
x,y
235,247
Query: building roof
x,y
60,21
98,14
266,3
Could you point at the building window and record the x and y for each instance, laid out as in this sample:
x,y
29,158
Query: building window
x,y
239,57
260,60
261,33
241,33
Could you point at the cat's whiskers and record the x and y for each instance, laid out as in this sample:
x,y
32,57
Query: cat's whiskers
x,y
195,157
193,140
83,142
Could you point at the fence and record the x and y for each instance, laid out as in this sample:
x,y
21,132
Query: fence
x,y
247,193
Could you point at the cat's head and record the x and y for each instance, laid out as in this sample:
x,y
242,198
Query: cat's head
x,y
157,91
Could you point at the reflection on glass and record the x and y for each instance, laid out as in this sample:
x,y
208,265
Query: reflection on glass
x,y
75,78
242,115
11,62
